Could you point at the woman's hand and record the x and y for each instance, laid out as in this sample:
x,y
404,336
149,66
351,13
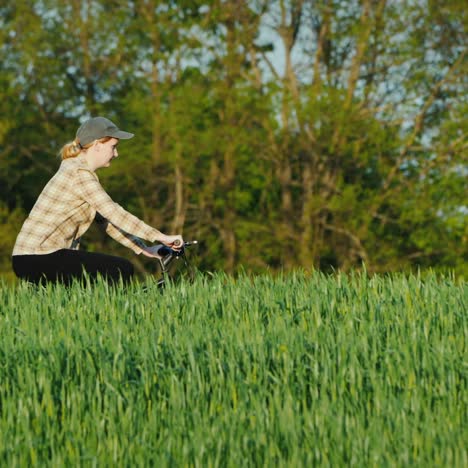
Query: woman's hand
x,y
174,242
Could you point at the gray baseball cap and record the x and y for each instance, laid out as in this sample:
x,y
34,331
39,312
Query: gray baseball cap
x,y
99,127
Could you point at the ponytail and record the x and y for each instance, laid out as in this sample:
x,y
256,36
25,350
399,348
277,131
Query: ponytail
x,y
71,150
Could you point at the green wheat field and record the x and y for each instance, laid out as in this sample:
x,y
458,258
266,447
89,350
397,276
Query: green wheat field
x,y
296,370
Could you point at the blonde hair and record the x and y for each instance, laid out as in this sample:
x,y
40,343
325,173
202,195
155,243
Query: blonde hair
x,y
74,148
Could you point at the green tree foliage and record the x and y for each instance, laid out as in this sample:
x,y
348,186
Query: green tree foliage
x,y
281,133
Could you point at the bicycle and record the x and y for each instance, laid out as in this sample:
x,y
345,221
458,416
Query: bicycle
x,y
167,257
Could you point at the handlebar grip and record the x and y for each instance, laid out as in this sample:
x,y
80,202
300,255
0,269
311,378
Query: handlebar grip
x,y
177,243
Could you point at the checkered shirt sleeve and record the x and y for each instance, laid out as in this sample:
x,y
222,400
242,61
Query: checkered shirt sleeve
x,y
122,225
124,238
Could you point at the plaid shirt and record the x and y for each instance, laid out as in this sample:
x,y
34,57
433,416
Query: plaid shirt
x,y
66,208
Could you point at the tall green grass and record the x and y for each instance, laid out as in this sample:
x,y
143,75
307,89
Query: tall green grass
x,y
297,370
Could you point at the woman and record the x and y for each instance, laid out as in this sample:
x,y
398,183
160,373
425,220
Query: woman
x,y
47,246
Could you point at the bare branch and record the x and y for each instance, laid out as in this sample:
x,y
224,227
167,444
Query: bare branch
x,y
418,124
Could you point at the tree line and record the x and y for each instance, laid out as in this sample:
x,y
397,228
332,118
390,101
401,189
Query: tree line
x,y
281,133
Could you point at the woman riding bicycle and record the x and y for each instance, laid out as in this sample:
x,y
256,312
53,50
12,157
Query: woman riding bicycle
x,y
47,247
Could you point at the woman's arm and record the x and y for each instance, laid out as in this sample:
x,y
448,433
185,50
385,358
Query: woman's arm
x,y
88,188
124,238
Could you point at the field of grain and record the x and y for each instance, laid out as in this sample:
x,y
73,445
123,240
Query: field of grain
x,y
293,370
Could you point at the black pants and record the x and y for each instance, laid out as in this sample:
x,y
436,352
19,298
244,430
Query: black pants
x,y
67,265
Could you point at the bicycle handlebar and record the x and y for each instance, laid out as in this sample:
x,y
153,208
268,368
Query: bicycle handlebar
x,y
168,254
